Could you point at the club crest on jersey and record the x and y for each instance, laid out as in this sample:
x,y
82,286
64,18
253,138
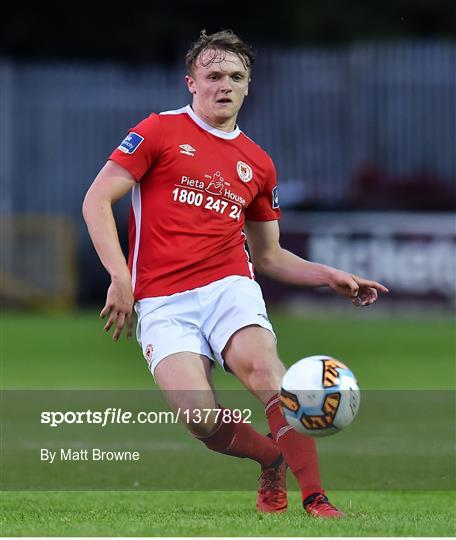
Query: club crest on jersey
x,y
275,198
148,354
216,184
130,143
187,150
244,171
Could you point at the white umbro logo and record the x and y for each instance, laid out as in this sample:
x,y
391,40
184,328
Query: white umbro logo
x,y
187,150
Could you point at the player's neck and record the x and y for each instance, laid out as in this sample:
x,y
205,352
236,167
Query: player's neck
x,y
227,125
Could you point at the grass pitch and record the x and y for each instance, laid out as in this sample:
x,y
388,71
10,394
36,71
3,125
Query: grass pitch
x,y
71,351
222,514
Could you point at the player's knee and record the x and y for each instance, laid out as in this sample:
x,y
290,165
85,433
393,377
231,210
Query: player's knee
x,y
201,422
201,430
264,374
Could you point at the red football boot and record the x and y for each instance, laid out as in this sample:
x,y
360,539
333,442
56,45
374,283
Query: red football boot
x,y
317,505
272,491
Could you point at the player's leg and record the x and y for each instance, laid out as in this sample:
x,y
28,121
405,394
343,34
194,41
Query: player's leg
x,y
251,354
185,380
179,357
242,339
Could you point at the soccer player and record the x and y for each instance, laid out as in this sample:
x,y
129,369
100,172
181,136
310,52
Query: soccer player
x,y
200,189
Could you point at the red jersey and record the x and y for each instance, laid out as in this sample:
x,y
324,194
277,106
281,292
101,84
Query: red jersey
x,y
196,186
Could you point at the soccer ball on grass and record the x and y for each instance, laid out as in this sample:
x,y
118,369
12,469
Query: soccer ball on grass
x,y
319,396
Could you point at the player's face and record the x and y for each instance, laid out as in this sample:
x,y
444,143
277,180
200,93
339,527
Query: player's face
x,y
219,85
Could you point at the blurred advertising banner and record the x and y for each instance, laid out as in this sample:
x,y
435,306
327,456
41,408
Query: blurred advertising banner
x,y
413,254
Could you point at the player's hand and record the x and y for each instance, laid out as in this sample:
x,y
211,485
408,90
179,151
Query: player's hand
x,y
363,292
119,307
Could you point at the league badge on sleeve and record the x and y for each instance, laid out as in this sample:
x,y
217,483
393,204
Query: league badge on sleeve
x,y
130,143
275,198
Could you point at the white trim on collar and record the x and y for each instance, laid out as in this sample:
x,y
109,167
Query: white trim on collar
x,y
214,131
182,110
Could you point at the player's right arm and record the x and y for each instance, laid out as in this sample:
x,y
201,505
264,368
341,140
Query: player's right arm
x,y
111,184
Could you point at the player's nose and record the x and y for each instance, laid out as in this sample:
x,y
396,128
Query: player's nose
x,y
226,85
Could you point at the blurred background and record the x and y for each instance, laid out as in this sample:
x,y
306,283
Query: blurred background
x,y
354,101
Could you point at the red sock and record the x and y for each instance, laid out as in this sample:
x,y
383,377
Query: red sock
x,y
300,451
241,440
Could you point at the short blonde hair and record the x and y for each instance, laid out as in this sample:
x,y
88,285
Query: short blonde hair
x,y
225,40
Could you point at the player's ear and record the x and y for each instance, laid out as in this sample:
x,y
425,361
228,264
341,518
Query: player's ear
x,y
190,84
247,89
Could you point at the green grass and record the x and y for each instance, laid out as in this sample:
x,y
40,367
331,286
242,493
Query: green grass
x,y
221,514
72,352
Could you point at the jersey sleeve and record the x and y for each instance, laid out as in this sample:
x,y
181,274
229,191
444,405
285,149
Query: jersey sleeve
x,y
265,206
140,148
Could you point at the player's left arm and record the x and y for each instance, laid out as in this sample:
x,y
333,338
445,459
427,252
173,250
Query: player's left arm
x,y
270,259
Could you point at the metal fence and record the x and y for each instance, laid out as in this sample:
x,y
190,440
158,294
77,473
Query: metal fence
x,y
323,115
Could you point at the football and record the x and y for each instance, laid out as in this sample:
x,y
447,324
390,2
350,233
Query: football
x,y
319,396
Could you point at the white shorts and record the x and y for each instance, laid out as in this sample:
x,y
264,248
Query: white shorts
x,y
201,320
